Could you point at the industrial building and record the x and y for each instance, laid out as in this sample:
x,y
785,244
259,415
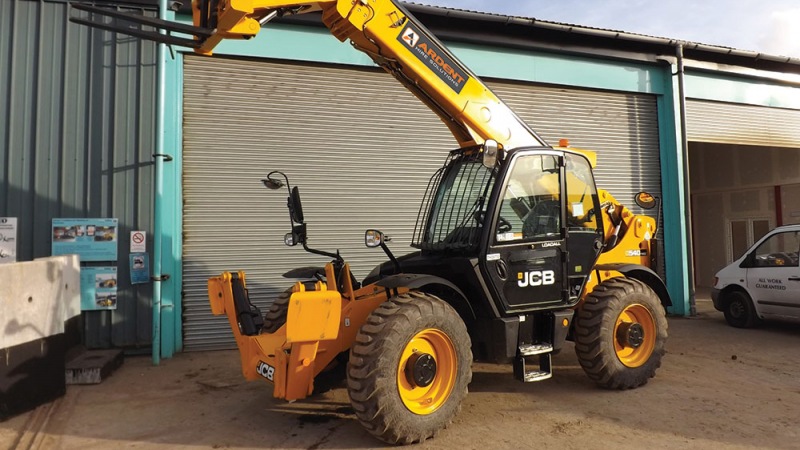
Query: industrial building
x,y
714,132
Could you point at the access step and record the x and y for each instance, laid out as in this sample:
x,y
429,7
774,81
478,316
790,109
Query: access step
x,y
523,364
535,349
536,375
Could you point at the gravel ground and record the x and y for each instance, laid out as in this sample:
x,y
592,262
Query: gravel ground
x,y
718,387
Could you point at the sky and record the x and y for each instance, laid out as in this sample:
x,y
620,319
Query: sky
x,y
764,26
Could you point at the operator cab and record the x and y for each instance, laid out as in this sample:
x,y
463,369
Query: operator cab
x,y
529,223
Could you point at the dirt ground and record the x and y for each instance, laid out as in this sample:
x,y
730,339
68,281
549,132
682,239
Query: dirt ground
x,y
718,387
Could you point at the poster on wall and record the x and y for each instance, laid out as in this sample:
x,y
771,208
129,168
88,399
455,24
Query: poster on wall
x,y
92,239
8,240
98,288
140,272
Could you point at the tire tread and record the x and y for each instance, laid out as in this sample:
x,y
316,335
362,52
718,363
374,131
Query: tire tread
x,y
368,385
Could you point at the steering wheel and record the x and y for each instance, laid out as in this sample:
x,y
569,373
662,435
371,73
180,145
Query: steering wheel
x,y
542,219
503,225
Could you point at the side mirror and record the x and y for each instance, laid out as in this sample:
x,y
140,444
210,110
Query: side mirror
x,y
272,183
490,153
295,206
645,200
297,236
375,238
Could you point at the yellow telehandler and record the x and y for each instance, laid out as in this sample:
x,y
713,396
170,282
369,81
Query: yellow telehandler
x,y
517,251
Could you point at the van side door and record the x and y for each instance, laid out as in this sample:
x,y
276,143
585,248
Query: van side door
x,y
773,274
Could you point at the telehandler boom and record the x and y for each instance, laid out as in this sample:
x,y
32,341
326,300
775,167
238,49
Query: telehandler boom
x,y
517,250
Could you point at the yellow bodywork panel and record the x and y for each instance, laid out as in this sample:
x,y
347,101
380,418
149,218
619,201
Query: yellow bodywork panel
x,y
313,316
217,288
320,324
633,246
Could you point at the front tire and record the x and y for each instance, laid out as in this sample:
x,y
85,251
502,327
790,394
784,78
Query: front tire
x,y
620,334
276,315
739,311
409,368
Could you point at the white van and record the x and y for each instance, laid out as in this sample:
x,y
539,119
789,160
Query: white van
x,y
764,283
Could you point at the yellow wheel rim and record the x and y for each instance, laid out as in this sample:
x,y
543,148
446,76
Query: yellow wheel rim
x,y
634,335
427,399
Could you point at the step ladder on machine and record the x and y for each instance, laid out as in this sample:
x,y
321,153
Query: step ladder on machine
x,y
524,366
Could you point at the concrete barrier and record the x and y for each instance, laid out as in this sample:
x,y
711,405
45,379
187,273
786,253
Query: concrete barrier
x,y
39,322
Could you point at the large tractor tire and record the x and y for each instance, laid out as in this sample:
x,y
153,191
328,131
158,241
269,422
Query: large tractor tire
x,y
620,333
409,368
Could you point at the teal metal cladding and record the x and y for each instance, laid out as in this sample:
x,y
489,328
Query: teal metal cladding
x,y
77,131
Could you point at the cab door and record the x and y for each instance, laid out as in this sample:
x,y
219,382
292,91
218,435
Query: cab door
x,y
535,257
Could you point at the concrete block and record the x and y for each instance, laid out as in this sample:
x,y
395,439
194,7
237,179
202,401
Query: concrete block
x,y
39,320
37,298
92,366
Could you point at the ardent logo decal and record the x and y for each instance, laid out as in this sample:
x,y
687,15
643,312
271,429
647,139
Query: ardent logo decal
x,y
434,57
411,37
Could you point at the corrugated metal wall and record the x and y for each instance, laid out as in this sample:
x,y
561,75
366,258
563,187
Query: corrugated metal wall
x,y
363,151
77,128
728,123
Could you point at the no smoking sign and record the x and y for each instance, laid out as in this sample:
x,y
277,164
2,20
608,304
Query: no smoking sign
x,y
138,241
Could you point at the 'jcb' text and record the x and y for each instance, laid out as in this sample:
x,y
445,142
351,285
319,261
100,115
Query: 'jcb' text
x,y
265,370
536,278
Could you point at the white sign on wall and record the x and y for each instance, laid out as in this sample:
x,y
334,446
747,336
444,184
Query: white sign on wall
x,y
138,241
8,240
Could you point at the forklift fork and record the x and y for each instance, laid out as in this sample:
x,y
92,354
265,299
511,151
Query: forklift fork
x,y
199,34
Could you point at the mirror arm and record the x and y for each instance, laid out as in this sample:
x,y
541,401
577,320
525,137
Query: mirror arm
x,y
321,252
391,256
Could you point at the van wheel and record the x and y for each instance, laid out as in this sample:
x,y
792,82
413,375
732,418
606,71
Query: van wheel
x,y
409,368
739,310
620,334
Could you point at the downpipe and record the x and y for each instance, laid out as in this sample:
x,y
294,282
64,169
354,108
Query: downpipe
x,y
687,196
158,277
160,158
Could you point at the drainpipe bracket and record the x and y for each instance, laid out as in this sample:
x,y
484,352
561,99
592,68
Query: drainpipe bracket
x,y
167,158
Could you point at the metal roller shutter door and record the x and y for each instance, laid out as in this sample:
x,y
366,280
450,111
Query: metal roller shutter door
x,y
621,128
362,150
728,123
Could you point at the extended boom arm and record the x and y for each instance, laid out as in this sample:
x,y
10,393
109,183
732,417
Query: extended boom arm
x,y
382,29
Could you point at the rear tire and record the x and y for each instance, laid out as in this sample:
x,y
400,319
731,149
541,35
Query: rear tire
x,y
409,368
739,310
620,333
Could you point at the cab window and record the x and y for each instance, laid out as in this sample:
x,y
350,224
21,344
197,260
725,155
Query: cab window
x,y
779,250
581,196
531,205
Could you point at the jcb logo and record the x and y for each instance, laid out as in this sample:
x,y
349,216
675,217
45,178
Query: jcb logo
x,y
536,278
265,370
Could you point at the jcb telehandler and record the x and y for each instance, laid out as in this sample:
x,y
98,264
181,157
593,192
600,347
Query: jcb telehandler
x,y
517,251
